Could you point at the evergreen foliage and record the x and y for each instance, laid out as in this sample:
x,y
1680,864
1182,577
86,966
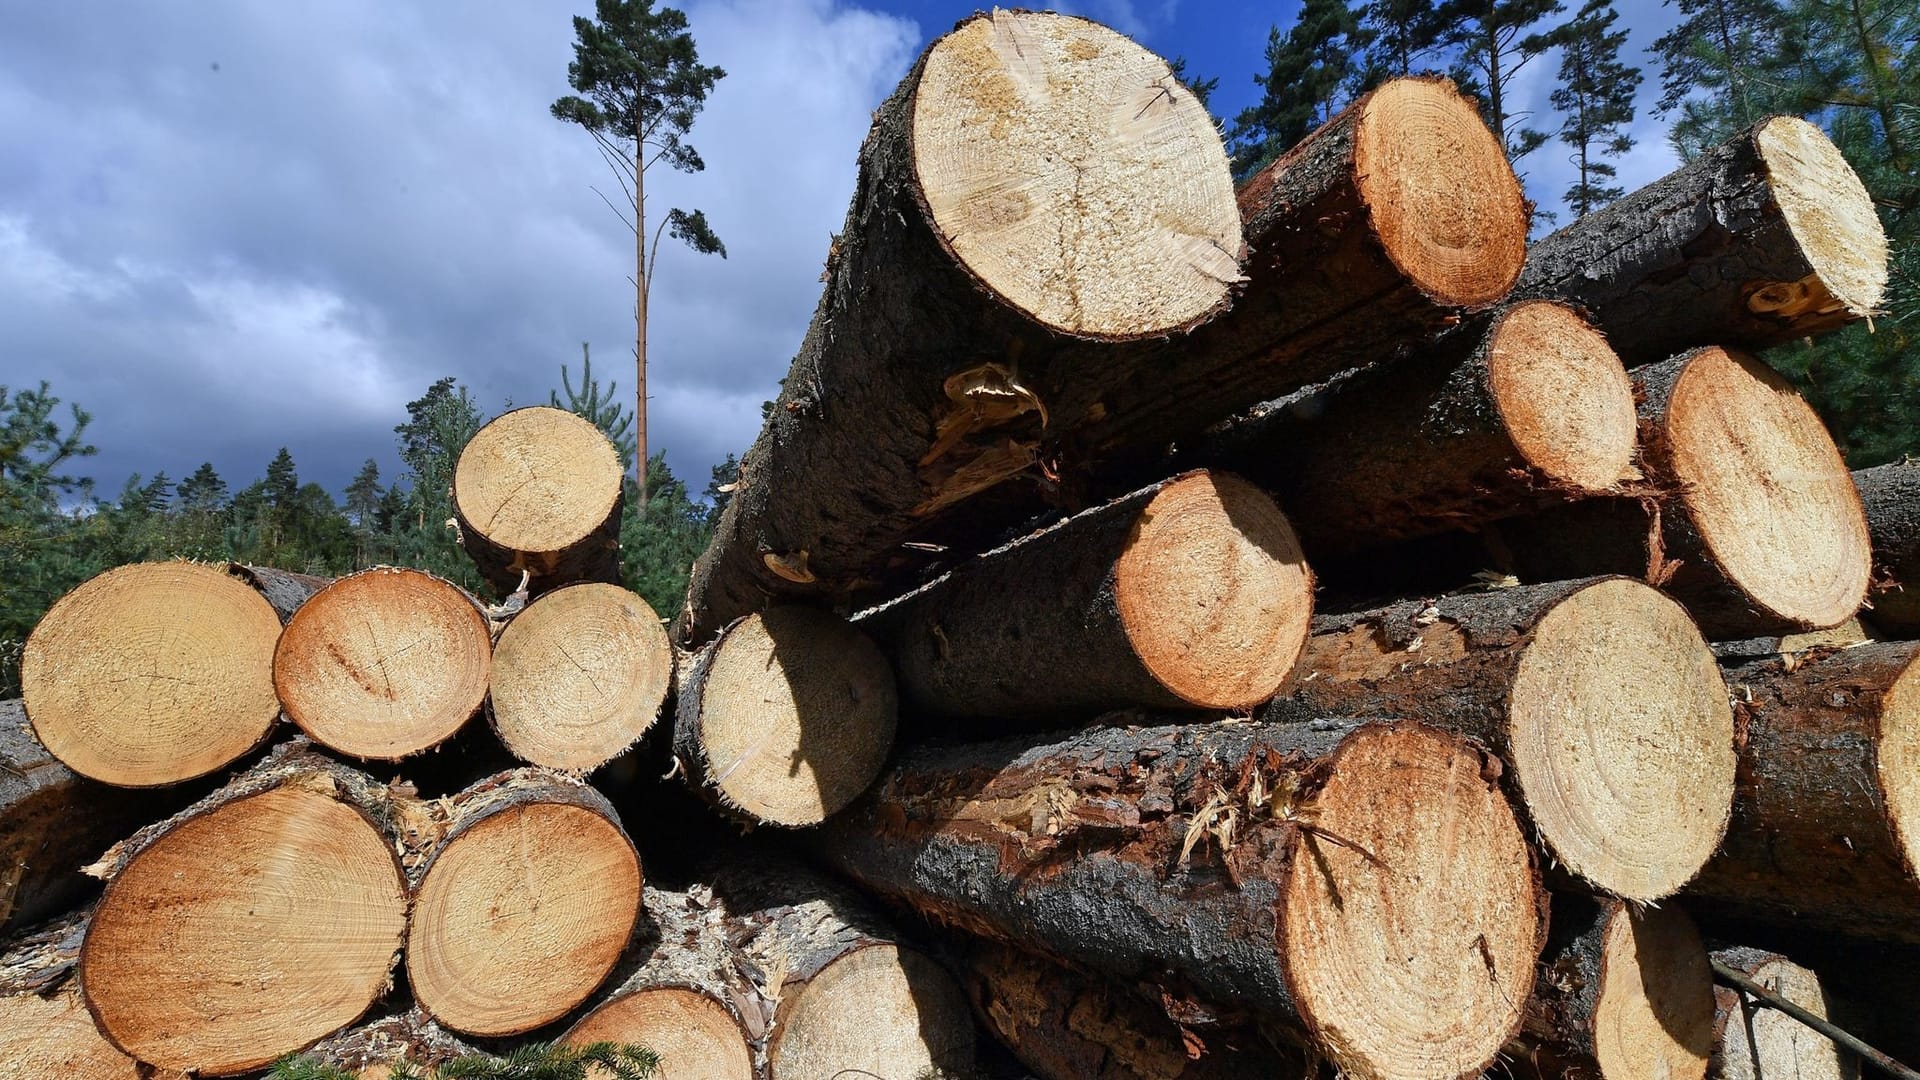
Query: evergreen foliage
x,y
1310,76
535,1061
1595,99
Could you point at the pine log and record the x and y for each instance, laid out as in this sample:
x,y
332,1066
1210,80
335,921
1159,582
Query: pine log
x,y
1758,528
1507,414
286,590
45,1029
152,674
525,905
578,676
1765,238
1891,495
1364,888
372,1050
786,718
1751,1042
1624,993
1191,593
255,922
537,493
1826,816
918,389
384,664
1600,696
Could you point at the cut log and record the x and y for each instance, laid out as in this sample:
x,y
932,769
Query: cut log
x,y
255,922
578,676
1601,697
1365,888
385,663
1891,495
1767,237
1751,1042
45,1028
1759,530
786,718
524,907
1624,993
918,389
152,674
537,493
372,1050
1505,415
284,589
1189,593
1826,819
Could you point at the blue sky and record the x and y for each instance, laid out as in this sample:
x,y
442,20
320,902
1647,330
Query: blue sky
x,y
227,228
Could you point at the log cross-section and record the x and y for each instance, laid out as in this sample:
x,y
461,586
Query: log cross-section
x,y
1891,495
538,493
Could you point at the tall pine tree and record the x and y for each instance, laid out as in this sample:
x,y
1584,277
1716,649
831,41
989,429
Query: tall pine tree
x,y
1311,73
1495,40
1713,68
1400,35
1595,99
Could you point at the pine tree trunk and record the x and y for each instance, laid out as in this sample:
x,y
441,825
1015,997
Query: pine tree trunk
x,y
537,494
1752,1042
45,1028
1891,495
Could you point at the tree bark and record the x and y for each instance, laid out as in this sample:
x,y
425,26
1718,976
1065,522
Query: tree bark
x,y
371,1050
1752,1042
1891,495
284,589
537,494
1765,238
1288,873
45,1029
1826,818
1190,593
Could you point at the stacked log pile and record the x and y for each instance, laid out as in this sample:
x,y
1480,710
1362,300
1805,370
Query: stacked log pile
x,y
1035,625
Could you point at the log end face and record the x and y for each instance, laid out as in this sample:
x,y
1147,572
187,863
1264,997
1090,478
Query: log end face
x,y
881,1010
1410,941
1075,177
1897,760
696,1037
537,480
1214,593
1653,1015
56,1037
1753,1042
152,674
1621,737
1832,217
1564,398
1443,200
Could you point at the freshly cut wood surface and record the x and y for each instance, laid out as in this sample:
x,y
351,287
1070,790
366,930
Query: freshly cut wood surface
x,y
1891,495
253,923
1826,818
537,491
578,676
524,907
152,673
787,717
1765,238
1188,593
1753,1042
384,663
1364,887
45,1028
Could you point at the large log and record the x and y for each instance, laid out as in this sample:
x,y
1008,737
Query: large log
x,y
1601,698
1364,888
1826,818
45,1028
1756,527
1191,593
537,493
933,373
1765,238
1891,495
1753,1042
286,590
152,674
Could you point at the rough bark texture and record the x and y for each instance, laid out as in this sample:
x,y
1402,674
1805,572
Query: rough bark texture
x,y
45,1029
1891,495
370,1050
595,558
284,589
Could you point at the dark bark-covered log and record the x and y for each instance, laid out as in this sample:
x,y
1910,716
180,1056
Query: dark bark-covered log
x,y
1511,413
1624,993
385,663
255,922
1826,819
917,390
579,676
284,589
525,905
371,1050
537,493
786,718
45,1028
152,674
1767,237
1191,593
1751,1042
1891,495
1364,887
1756,526
1748,650
1601,698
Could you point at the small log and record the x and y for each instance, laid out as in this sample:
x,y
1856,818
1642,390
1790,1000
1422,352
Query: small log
x,y
45,1028
786,718
1363,888
372,1050
284,589
1826,816
1763,239
384,664
1757,528
1191,593
1601,698
1508,414
152,674
1891,495
1624,993
537,493
1751,1042
525,905
578,676
255,922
